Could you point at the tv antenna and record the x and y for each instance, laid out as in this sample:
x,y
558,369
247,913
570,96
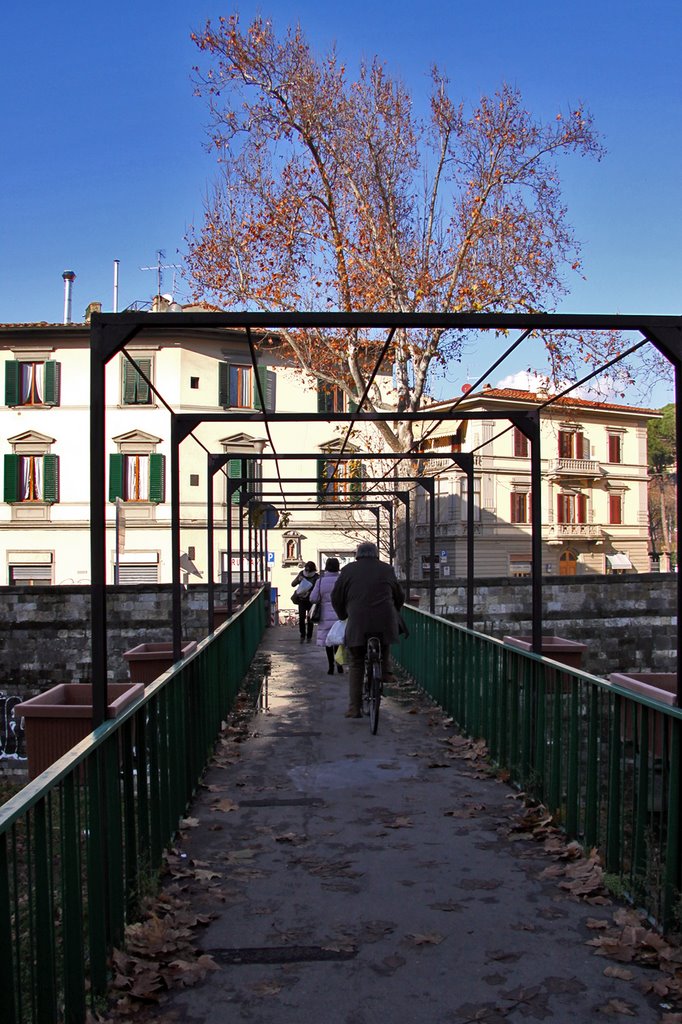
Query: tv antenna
x,y
160,267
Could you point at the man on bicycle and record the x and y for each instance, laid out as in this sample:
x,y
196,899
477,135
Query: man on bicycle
x,y
368,595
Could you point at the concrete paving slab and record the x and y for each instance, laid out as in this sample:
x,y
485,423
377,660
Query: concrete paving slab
x,y
357,879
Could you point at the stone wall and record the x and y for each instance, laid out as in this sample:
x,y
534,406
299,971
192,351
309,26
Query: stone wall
x,y
627,622
45,631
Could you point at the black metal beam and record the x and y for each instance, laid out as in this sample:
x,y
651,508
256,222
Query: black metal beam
x,y
379,321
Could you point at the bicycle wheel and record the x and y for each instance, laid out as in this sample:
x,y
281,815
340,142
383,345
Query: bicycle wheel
x,y
366,687
374,696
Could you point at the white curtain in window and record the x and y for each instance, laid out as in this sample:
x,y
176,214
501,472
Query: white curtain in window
x,y
137,478
31,478
31,383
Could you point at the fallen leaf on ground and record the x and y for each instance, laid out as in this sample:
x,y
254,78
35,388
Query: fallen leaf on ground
x,y
426,939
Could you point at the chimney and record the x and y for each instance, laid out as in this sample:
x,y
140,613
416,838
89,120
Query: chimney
x,y
93,307
69,278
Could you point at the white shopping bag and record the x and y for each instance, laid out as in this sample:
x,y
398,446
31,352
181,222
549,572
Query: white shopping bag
x,y
337,633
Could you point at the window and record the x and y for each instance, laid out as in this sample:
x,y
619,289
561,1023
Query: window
x,y
137,477
615,448
337,480
330,398
573,445
134,389
236,388
571,508
521,445
520,565
194,479
615,509
477,498
30,575
194,383
520,507
32,383
251,471
31,478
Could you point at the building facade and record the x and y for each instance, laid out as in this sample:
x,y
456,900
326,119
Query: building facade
x,y
594,487
45,512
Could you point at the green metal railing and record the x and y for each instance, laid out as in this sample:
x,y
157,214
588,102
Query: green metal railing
x,y
605,761
80,844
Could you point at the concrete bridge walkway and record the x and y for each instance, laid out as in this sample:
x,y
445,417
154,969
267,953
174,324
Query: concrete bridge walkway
x,y
356,879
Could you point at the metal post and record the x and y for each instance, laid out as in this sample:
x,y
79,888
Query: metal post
x,y
175,541
98,605
209,541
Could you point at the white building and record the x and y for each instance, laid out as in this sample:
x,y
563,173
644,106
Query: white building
x,y
594,487
44,515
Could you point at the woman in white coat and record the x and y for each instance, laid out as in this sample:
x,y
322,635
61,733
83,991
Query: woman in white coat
x,y
321,594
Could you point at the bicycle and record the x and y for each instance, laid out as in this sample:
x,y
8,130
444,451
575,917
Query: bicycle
x,y
372,683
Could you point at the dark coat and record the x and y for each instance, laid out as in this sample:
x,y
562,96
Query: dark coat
x,y
368,594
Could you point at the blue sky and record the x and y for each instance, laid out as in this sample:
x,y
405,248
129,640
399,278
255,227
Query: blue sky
x,y
102,141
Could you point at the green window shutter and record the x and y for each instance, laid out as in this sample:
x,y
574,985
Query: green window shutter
x,y
52,382
157,478
116,488
135,389
223,385
12,383
263,381
11,481
234,472
268,383
50,478
352,405
271,391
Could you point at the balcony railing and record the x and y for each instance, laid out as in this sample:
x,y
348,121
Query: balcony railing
x,y
572,531
573,467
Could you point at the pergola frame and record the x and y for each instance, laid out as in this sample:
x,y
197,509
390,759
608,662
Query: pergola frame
x,y
111,332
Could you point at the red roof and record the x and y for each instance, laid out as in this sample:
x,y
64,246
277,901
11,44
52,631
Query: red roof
x,y
511,394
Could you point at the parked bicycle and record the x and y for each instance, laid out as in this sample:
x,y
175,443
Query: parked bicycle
x,y
372,684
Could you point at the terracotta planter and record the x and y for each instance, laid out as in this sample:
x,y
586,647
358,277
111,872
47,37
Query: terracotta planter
x,y
660,686
219,615
146,662
61,717
568,652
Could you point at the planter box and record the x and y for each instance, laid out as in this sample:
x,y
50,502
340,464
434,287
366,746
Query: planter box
x,y
146,662
219,615
568,652
61,717
660,686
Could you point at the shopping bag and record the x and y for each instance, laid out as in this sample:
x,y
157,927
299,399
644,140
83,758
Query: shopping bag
x,y
303,588
340,655
315,612
337,633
